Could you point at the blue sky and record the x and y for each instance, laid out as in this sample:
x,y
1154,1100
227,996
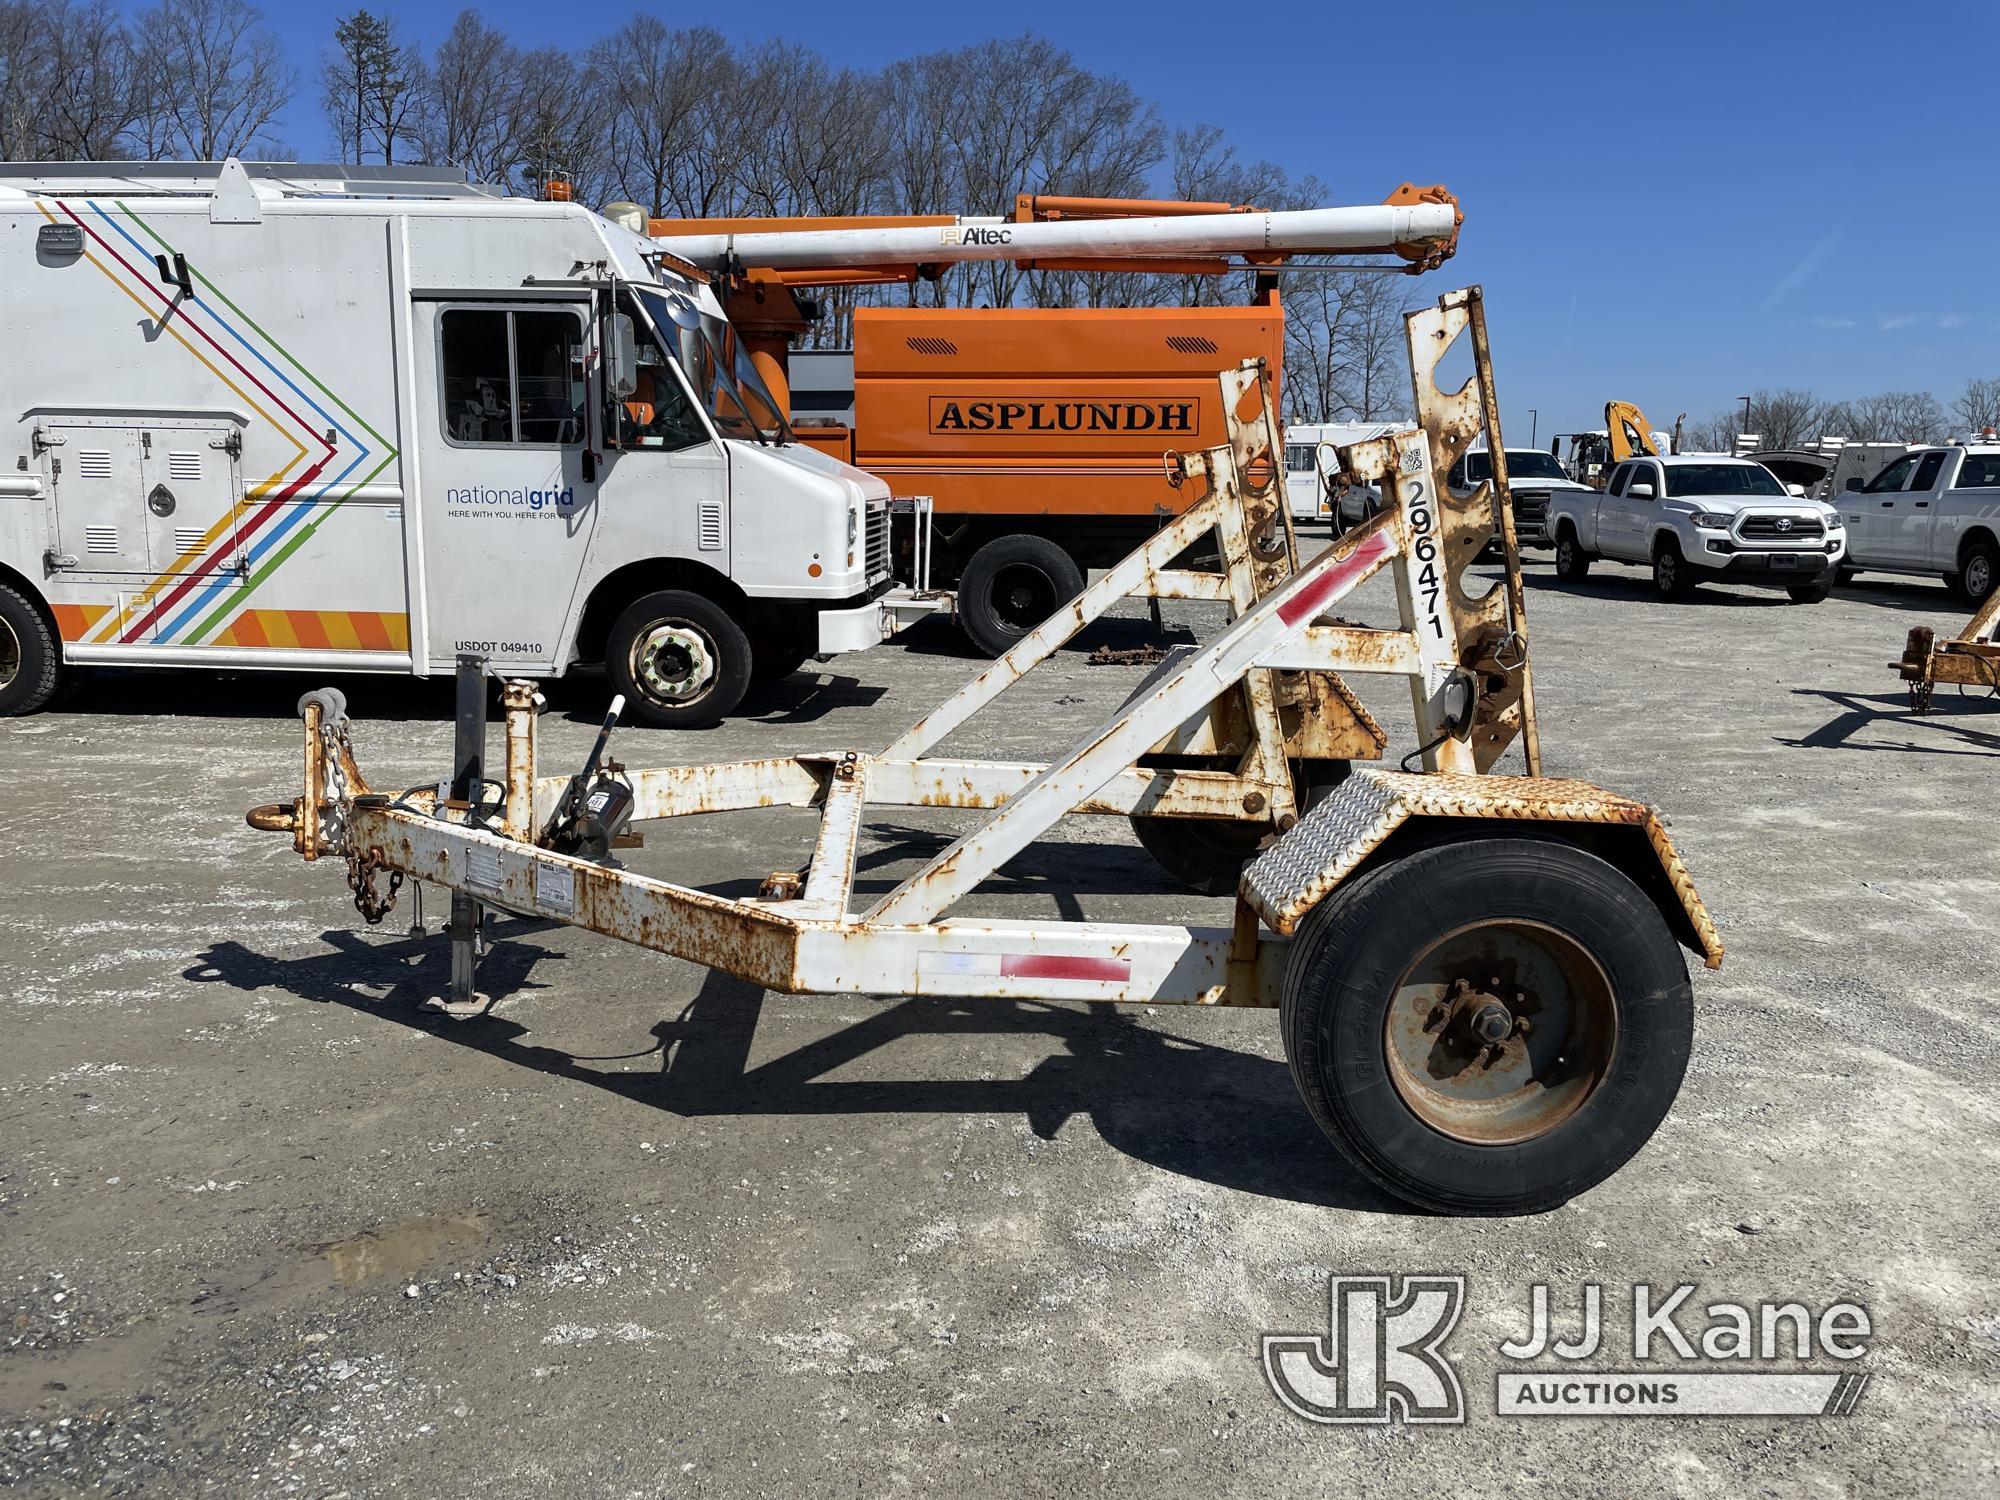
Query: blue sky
x,y
1712,199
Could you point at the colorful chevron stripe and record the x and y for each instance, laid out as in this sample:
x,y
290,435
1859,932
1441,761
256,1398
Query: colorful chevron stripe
x,y
194,601
317,630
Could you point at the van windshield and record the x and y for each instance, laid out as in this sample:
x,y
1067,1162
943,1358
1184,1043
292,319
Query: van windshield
x,y
720,369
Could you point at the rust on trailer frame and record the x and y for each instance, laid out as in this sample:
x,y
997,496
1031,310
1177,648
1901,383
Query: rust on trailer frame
x,y
1341,834
1969,659
1275,659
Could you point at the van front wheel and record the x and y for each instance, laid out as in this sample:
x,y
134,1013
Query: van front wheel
x,y
679,659
30,658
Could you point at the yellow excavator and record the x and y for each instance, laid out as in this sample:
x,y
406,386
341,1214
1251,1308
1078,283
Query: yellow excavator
x,y
1593,455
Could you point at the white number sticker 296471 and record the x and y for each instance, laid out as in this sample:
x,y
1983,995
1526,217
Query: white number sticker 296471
x,y
1429,582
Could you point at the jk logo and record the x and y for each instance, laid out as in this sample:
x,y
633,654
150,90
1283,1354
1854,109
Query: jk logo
x,y
1379,1360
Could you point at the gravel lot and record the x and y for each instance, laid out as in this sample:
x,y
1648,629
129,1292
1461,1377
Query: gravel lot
x,y
268,1227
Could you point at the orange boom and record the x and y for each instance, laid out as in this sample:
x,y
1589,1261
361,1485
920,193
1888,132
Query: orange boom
x,y
1037,432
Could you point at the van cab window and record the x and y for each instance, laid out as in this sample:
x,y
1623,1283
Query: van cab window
x,y
658,413
512,375
1927,471
1892,477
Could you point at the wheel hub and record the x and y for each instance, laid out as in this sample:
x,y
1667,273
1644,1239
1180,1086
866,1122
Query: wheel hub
x,y
1500,1031
673,662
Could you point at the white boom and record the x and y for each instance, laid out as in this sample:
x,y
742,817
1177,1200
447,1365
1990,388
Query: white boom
x,y
1299,231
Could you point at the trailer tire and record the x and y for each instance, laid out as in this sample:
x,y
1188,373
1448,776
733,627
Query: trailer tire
x,y
680,660
1012,584
1206,856
1580,951
1572,562
30,655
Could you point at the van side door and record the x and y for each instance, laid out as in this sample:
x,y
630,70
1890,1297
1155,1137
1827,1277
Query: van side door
x,y
508,497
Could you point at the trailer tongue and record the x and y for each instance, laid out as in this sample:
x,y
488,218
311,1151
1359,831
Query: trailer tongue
x,y
1483,998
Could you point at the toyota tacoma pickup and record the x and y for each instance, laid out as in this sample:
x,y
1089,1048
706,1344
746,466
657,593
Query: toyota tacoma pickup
x,y
1934,511
1700,519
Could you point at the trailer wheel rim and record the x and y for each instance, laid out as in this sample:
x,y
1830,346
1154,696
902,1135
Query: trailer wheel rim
x,y
1023,595
1500,1031
10,654
673,661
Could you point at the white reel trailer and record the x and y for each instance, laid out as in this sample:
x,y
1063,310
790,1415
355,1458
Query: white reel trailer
x,y
1483,995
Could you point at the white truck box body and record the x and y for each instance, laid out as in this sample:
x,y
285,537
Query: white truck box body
x,y
266,468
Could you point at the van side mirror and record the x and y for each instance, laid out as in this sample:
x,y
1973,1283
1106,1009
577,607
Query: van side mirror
x,y
1853,482
621,357
1639,489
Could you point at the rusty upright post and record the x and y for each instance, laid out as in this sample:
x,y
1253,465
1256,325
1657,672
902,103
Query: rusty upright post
x,y
1503,504
468,762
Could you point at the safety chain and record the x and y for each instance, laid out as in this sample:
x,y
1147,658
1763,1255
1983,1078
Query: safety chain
x,y
336,748
361,870
334,739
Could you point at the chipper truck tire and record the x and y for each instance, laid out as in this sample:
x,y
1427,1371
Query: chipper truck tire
x,y
1490,1025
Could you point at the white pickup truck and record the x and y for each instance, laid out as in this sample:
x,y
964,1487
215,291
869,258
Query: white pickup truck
x,y
1699,519
1934,511
1532,478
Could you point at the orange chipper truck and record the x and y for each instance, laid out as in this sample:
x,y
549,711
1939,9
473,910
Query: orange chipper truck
x,y
1037,432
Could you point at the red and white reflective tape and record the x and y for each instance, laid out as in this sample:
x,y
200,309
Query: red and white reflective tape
x,y
1314,596
1030,966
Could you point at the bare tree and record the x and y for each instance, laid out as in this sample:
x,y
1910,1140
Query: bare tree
x,y
656,83
1978,406
1785,419
1893,416
1717,434
556,129
1042,124
69,81
214,78
374,87
475,86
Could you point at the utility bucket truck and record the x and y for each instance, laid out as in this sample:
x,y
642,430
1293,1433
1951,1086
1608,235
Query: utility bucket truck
x,y
1033,434
369,420
1479,977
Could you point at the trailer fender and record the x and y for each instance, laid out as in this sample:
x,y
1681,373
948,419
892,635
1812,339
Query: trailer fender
x,y
1375,815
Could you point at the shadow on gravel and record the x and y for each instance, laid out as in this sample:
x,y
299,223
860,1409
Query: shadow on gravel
x,y
248,695
1201,1111
1939,732
941,637
1638,585
1916,595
